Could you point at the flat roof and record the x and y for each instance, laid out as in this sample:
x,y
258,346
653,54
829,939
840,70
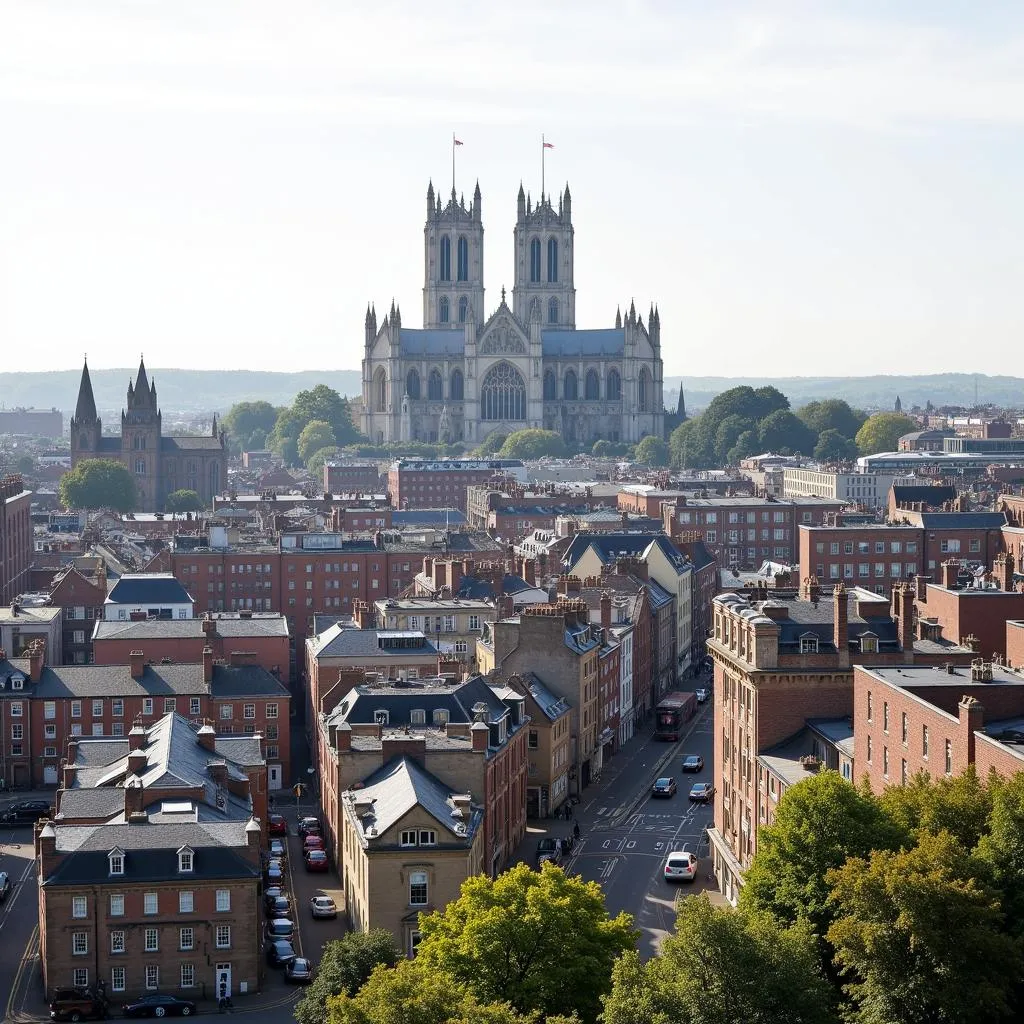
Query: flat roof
x,y
909,676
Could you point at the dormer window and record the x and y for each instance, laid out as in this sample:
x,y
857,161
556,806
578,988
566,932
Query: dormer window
x,y
115,859
381,717
185,860
808,644
869,644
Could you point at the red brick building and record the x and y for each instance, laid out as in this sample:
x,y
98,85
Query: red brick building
x,y
352,477
870,555
419,483
82,600
16,543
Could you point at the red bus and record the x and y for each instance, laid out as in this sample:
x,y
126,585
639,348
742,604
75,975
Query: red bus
x,y
672,713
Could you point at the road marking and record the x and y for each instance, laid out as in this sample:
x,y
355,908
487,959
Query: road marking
x,y
602,810
27,957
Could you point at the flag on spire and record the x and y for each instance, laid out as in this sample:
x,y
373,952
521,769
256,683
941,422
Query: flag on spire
x,y
548,145
457,142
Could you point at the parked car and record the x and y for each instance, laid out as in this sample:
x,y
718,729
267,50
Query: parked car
x,y
309,826
316,860
664,787
702,695
274,872
277,826
278,849
158,1005
280,952
693,763
299,971
5,886
28,812
313,842
278,907
323,906
702,792
680,866
280,928
273,892
550,849
77,1004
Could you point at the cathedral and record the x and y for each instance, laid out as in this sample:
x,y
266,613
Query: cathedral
x,y
465,374
159,463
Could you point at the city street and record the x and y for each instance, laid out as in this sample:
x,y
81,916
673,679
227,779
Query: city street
x,y
19,936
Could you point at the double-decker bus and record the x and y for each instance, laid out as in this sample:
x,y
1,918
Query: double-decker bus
x,y
672,712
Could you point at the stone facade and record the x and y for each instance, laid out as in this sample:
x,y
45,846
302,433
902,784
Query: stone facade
x,y
465,374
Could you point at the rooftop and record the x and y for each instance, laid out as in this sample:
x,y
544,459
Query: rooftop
x,y
956,676
148,588
259,625
338,641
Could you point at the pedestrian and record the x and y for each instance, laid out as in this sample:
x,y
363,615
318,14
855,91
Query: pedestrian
x,y
576,832
568,812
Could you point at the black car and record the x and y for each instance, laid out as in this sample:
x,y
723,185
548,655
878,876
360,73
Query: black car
x,y
158,1005
664,787
550,849
309,827
693,763
28,812
280,952
299,971
280,928
280,906
274,872
77,1004
5,886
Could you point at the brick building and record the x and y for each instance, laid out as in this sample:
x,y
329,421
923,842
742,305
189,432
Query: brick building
x,y
418,483
919,498
351,477
16,540
869,555
780,661
453,622
149,874
23,624
510,509
82,600
973,537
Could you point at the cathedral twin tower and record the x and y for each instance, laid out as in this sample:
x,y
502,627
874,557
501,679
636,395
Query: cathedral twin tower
x,y
465,374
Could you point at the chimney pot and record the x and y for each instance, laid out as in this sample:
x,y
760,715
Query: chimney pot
x,y
137,663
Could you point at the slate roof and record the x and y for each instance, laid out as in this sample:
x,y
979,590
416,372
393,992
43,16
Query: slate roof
x,y
190,443
58,681
477,589
609,341
610,546
929,495
152,629
963,520
341,642
435,342
428,517
148,588
551,705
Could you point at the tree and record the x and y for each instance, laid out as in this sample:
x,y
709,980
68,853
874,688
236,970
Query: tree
x,y
783,431
1002,847
491,444
249,423
315,435
25,464
819,823
833,446
723,966
688,446
727,434
183,500
532,444
601,448
652,451
747,444
315,465
345,964
832,414
324,403
919,937
284,438
881,432
538,940
99,483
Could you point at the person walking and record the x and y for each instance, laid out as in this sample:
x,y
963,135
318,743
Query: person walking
x,y
576,831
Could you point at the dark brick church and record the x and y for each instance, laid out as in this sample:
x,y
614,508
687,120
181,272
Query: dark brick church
x,y
159,463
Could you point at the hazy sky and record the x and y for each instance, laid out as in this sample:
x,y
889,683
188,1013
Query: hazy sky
x,y
804,188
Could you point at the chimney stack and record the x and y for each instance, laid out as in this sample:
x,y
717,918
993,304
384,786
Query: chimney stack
x,y
207,738
810,589
921,588
903,595
207,664
136,738
1002,569
36,659
209,626
606,610
972,720
481,735
133,797
950,573
841,623
137,663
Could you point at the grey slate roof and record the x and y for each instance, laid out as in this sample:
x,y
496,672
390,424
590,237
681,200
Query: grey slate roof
x,y
229,681
609,341
929,495
341,642
609,546
428,517
435,342
550,704
148,588
963,520
190,443
152,629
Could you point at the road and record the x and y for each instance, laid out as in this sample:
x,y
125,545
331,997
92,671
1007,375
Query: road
x,y
626,835
19,935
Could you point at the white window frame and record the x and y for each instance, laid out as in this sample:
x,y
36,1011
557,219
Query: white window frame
x,y
117,979
248,710
186,901
117,943
152,977
222,936
186,861
223,900
186,938
152,940
80,977
79,943
150,903
419,880
188,976
115,862
79,907
408,837
116,905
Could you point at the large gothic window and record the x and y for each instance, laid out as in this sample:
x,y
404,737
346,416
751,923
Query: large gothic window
x,y
446,259
463,309
643,394
455,387
83,440
380,387
571,387
214,477
140,467
592,386
139,443
535,260
435,389
462,259
614,389
552,259
503,394
552,311
412,384
442,309
550,386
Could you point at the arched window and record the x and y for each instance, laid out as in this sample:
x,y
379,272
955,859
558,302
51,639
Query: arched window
x,y
412,384
535,259
442,309
140,467
139,443
592,386
552,311
643,394
614,389
571,387
550,386
503,394
214,477
455,388
463,309
435,389
381,390
552,259
462,259
446,259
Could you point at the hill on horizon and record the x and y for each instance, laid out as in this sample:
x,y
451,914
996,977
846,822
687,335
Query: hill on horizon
x,y
207,391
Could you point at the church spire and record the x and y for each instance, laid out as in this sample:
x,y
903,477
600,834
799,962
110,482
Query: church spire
x,y
142,381
681,407
85,410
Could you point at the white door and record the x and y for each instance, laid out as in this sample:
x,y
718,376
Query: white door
x,y
273,776
223,980
50,775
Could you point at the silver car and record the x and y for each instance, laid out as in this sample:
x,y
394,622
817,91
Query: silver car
x,y
323,906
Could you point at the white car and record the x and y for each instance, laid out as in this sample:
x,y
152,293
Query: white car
x,y
323,906
680,866
702,695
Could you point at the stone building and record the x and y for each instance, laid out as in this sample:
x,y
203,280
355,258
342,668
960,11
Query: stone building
x,y
159,463
466,372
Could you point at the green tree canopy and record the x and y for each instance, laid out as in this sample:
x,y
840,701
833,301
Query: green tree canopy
x,y
345,964
688,448
532,444
832,414
720,967
783,431
25,463
881,432
1002,847
315,435
919,937
601,448
284,438
315,463
728,433
249,423
747,444
538,940
652,451
99,483
183,500
832,445
819,822
324,403
491,444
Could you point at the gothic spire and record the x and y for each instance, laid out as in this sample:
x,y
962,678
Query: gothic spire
x,y
142,382
85,410
681,407
618,316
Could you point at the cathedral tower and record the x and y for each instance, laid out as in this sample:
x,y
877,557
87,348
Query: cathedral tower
x,y
453,261
85,424
140,439
544,261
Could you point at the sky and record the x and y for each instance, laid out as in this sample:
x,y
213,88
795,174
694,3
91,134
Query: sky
x,y
803,188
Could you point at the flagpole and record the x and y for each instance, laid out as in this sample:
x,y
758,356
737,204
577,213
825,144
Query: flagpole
x,y
453,163
542,154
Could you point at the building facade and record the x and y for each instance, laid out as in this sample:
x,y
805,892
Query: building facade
x,y
16,541
467,373
871,489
